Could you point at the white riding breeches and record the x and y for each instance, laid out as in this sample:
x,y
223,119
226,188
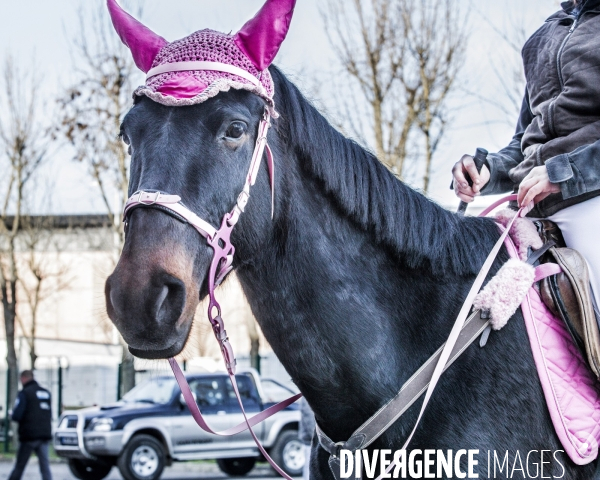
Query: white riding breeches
x,y
580,226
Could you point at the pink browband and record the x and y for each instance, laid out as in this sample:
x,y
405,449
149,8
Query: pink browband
x,y
191,66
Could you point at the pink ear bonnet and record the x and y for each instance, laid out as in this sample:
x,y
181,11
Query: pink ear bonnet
x,y
198,67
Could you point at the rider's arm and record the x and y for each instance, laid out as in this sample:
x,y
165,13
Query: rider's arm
x,y
577,172
502,162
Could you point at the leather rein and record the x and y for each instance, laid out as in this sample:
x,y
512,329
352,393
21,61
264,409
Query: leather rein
x,y
463,333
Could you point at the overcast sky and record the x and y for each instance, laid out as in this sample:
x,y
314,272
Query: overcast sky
x,y
39,29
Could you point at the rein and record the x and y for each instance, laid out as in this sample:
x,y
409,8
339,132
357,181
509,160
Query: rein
x,y
464,331
382,419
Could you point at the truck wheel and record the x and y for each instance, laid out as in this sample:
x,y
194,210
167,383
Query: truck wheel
x,y
142,459
288,453
236,467
89,469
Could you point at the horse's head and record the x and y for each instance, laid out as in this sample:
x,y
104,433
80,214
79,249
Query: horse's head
x,y
194,129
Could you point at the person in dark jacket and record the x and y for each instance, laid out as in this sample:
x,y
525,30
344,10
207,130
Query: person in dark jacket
x,y
553,159
32,411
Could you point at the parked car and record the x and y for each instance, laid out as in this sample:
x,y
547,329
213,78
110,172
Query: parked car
x,y
151,427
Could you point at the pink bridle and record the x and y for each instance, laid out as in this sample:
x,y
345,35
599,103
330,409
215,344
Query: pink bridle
x,y
219,240
221,264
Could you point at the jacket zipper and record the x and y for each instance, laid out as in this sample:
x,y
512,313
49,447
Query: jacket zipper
x,y
560,50
560,77
559,68
564,42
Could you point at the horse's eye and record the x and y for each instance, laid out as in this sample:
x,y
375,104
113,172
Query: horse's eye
x,y
236,130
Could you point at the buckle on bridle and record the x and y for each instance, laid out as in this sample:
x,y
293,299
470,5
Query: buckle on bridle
x,y
226,350
338,446
242,200
148,203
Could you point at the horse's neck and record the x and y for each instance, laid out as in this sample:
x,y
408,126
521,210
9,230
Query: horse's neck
x,y
346,318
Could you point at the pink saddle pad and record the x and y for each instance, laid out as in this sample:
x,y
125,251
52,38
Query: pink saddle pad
x,y
571,390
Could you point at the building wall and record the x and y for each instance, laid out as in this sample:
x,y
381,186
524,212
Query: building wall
x,y
72,326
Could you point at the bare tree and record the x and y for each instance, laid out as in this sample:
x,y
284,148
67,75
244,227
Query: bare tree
x,y
435,32
403,57
93,109
363,35
42,275
24,146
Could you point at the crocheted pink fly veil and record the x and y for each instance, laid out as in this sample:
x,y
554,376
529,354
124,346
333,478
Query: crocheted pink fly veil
x,y
199,66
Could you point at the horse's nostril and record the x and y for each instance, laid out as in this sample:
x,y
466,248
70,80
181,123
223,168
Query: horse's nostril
x,y
161,297
170,301
113,305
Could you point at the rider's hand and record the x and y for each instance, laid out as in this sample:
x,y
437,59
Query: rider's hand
x,y
466,165
536,186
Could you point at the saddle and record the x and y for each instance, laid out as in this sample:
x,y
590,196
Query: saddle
x,y
568,294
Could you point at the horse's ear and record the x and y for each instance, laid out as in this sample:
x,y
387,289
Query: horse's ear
x,y
261,37
143,42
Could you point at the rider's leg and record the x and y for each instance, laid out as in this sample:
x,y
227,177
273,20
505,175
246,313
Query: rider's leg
x,y
580,226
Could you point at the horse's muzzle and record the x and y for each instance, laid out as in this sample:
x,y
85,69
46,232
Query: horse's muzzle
x,y
152,295
150,316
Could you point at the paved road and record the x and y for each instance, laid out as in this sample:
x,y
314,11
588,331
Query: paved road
x,y
179,471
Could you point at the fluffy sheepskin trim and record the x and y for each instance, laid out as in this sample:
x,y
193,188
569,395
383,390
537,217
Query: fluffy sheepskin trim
x,y
504,293
523,232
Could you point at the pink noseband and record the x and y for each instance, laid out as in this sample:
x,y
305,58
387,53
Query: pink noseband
x,y
219,240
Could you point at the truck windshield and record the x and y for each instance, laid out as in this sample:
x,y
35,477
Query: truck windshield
x,y
156,390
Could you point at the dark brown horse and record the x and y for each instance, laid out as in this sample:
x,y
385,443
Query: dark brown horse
x,y
355,282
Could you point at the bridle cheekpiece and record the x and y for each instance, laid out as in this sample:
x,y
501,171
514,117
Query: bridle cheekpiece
x,y
218,239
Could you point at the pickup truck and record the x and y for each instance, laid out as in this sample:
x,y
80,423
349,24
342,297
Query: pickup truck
x,y
151,427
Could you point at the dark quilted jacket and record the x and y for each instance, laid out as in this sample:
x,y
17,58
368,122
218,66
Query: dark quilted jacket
x,y
33,412
559,124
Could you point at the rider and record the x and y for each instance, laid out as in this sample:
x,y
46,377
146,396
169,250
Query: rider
x,y
554,156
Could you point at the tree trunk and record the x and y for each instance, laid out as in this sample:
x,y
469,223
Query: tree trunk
x,y
255,354
9,308
403,141
127,371
379,136
11,358
428,158
32,355
254,342
34,311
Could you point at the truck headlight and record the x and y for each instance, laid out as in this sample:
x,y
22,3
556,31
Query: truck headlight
x,y
101,424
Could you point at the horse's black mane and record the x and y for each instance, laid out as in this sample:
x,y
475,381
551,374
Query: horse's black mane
x,y
422,234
